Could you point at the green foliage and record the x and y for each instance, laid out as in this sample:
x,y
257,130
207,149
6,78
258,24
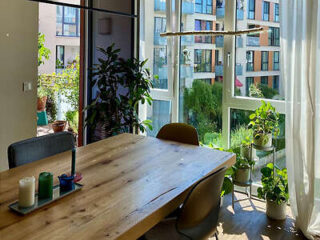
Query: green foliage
x,y
262,91
265,120
73,119
203,107
255,91
122,84
43,52
241,135
274,186
51,107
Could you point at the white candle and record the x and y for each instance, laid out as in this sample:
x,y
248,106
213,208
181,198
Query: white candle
x,y
26,191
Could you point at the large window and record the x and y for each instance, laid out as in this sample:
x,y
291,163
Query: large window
x,y
68,21
249,82
276,12
203,25
264,60
251,9
250,60
276,60
59,57
202,60
160,68
159,25
274,36
266,10
204,6
264,80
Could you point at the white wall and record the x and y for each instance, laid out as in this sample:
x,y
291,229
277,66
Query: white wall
x,y
18,64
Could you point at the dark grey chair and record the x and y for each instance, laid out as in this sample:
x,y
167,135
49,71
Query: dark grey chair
x,y
37,148
198,217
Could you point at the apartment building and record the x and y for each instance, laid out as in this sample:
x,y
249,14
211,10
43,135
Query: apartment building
x,y
61,27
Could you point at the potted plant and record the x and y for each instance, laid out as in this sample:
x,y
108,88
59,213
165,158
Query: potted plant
x,y
245,149
42,98
264,122
121,85
59,125
275,191
242,169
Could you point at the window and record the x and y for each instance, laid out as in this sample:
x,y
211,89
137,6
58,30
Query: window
x,y
264,61
249,82
266,9
264,80
250,60
251,9
159,25
202,60
59,57
276,60
68,21
274,36
203,25
203,6
275,83
276,12
160,68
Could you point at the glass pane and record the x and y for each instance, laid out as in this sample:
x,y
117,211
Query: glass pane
x,y
69,30
239,131
257,55
160,114
201,71
70,15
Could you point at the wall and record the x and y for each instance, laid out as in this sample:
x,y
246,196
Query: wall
x,y
18,64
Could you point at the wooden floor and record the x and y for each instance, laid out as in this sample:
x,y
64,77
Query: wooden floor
x,y
249,221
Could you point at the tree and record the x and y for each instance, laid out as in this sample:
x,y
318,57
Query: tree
x,y
43,52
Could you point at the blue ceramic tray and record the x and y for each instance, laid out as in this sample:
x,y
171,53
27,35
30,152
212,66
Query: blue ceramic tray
x,y
57,194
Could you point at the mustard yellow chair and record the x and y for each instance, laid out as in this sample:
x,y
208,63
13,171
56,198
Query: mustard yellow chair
x,y
179,132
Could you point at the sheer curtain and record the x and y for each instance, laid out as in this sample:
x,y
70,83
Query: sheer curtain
x,y
300,69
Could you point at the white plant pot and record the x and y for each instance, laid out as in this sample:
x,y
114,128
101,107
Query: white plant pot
x,y
245,152
275,211
242,175
259,142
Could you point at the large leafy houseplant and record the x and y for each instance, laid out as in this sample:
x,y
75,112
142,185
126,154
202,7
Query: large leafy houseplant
x,y
121,85
264,122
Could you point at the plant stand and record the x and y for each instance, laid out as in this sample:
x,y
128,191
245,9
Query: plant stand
x,y
249,183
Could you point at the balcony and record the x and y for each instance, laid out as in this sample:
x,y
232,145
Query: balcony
x,y
219,70
186,71
187,7
187,40
220,13
161,72
219,41
162,41
238,69
253,41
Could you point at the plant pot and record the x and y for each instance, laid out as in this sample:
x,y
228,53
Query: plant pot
x,y
242,175
245,152
276,211
259,141
59,126
41,103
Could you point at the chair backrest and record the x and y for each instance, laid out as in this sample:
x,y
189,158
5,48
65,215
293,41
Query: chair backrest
x,y
37,148
179,132
198,218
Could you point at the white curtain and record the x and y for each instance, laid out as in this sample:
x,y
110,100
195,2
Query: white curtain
x,y
300,70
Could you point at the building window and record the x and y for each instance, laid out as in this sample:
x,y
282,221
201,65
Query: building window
x,y
203,25
274,36
68,22
203,6
275,83
276,60
160,25
160,68
59,57
264,61
202,60
264,80
249,82
251,8
250,60
276,12
266,9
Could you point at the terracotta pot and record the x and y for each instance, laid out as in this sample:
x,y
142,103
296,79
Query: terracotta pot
x,y
41,103
59,126
275,211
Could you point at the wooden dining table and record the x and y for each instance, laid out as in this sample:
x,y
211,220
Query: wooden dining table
x,y
130,183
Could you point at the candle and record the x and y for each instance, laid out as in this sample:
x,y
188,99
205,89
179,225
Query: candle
x,y
73,163
26,191
45,185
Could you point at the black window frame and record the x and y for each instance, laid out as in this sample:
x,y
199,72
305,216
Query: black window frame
x,y
206,6
202,66
276,12
251,80
276,78
264,80
264,64
266,11
62,61
250,61
251,9
276,60
64,22
274,36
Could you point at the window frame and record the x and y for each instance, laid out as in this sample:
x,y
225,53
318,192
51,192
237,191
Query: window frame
x,y
276,12
251,9
266,11
264,64
276,63
250,64
58,57
204,5
64,22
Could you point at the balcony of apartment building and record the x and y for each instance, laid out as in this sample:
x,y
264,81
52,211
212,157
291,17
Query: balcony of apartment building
x,y
219,70
186,8
253,41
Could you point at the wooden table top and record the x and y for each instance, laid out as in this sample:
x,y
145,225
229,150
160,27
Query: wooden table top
x,y
130,183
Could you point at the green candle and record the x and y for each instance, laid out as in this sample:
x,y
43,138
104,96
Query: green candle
x,y
45,185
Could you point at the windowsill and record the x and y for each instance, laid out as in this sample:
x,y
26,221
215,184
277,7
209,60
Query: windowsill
x,y
67,36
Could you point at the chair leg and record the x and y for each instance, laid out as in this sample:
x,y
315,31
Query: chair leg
x,y
233,196
216,235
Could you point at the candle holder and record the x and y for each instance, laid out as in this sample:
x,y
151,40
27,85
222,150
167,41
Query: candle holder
x,y
66,182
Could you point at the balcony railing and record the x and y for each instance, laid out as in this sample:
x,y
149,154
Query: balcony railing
x,y
221,10
238,69
186,71
187,7
253,41
219,41
159,40
219,70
